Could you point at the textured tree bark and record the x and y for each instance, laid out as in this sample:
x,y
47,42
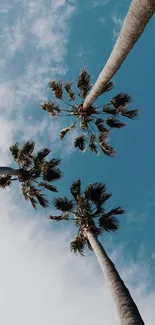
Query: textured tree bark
x,y
139,14
9,171
126,308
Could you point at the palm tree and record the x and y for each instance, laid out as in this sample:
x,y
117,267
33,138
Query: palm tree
x,y
33,170
139,14
94,128
88,212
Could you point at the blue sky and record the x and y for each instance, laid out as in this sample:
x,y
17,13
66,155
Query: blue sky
x,y
42,40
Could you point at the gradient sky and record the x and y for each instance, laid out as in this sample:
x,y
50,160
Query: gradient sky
x,y
41,281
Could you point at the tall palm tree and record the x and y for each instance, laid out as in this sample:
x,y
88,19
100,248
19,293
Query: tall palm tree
x,y
33,170
139,14
94,128
87,210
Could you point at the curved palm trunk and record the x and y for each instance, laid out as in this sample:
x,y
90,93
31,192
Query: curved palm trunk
x,y
9,171
127,310
139,14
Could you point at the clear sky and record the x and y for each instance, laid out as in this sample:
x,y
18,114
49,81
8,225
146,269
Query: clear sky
x,y
41,281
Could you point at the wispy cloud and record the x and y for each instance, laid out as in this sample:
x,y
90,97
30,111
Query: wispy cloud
x,y
102,20
118,22
97,3
34,37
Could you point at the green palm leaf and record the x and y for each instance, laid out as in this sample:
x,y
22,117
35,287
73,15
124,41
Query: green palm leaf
x,y
5,181
92,144
94,192
52,108
75,188
121,99
129,114
112,122
109,86
108,224
49,187
56,88
115,212
15,150
63,217
77,245
68,88
80,142
64,131
63,204
51,173
84,83
28,148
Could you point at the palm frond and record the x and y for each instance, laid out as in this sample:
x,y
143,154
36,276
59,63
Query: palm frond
x,y
15,150
56,88
59,218
52,108
68,88
51,174
33,201
98,212
109,86
53,162
92,144
84,83
115,212
77,245
43,153
75,188
28,148
84,124
100,125
94,192
64,131
63,204
108,224
108,150
130,114
23,155
5,181
121,99
105,197
109,109
112,122
80,142
48,187
41,199
33,195
103,136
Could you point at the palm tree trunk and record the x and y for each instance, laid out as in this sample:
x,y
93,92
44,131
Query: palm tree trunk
x,y
127,310
139,14
9,171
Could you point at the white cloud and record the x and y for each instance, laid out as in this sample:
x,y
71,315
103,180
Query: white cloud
x,y
102,20
96,3
34,37
118,22
42,282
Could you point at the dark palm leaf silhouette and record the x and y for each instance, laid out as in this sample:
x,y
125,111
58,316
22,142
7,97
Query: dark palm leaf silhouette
x,y
87,210
35,173
91,120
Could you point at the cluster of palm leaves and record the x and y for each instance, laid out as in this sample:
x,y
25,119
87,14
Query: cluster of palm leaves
x,y
95,128
35,173
88,212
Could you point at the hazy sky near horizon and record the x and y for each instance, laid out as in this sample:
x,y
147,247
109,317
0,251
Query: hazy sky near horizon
x,y
40,280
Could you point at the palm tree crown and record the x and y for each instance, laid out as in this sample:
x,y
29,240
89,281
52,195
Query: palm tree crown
x,y
33,169
94,128
88,211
